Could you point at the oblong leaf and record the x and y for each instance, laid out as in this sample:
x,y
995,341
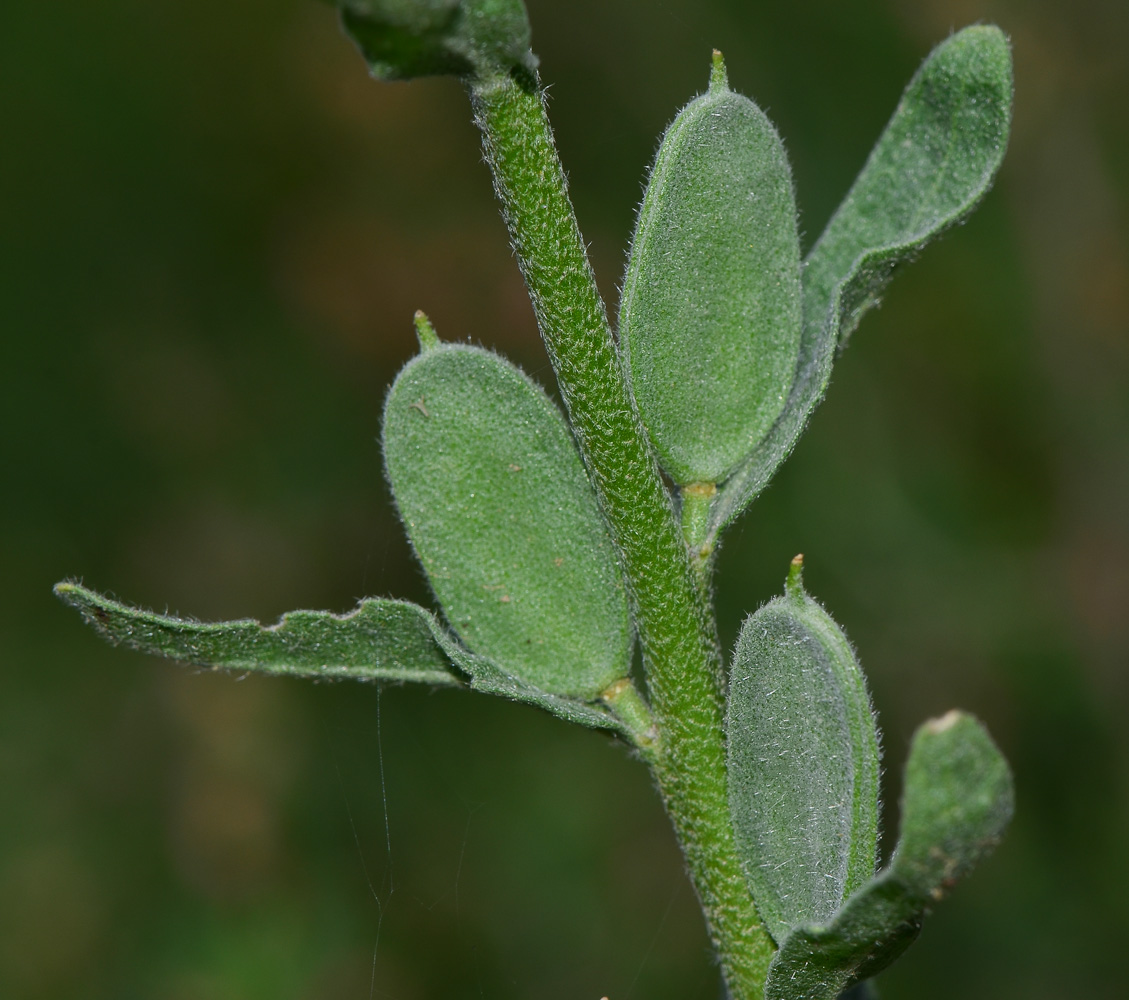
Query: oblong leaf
x,y
710,313
497,504
934,162
380,639
958,799
803,762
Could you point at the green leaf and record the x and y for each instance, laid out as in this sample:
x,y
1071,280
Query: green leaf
x,y
803,762
497,504
957,802
401,39
936,159
379,640
710,313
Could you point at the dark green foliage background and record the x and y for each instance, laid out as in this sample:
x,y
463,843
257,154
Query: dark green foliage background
x,y
213,233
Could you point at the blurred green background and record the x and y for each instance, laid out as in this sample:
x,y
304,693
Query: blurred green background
x,y
213,232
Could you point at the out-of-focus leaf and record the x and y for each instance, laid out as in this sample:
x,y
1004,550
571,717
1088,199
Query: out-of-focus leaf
x,y
957,801
710,314
496,502
936,159
379,640
401,39
803,762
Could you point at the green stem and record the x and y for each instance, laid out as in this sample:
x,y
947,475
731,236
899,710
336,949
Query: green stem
x,y
697,501
675,624
697,504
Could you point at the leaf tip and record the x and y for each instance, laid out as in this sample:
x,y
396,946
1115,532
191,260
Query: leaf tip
x,y
95,609
72,593
425,332
719,77
945,722
794,584
983,49
988,35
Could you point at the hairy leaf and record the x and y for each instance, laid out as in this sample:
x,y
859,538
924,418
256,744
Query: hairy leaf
x,y
497,504
710,314
401,39
803,762
936,159
957,801
379,640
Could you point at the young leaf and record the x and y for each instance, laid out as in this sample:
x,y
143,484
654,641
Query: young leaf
x,y
936,159
401,39
957,801
496,502
379,640
710,314
803,762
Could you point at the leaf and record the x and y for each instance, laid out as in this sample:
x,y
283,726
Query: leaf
x,y
957,801
803,762
497,504
710,313
379,640
401,39
934,162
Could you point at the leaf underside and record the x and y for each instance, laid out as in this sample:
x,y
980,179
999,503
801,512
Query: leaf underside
x,y
385,640
958,799
934,162
380,640
803,761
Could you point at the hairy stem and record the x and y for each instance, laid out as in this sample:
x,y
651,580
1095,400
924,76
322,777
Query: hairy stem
x,y
675,623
